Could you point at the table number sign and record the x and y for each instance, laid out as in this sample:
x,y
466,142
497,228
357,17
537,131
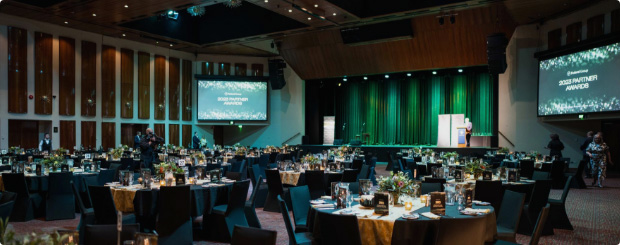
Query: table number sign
x,y
64,168
179,179
38,170
487,175
382,203
458,175
181,163
87,156
215,175
469,197
512,175
438,203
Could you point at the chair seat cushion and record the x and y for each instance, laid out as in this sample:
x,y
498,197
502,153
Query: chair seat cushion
x,y
506,234
304,238
220,209
301,228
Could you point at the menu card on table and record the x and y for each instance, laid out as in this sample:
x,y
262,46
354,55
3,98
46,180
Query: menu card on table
x,y
487,175
215,176
458,175
512,175
438,203
382,203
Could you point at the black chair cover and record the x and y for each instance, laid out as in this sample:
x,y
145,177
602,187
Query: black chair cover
x,y
108,234
250,235
174,224
339,229
470,231
60,202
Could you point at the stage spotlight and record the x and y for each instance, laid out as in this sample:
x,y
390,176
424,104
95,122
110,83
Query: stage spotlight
x,y
408,74
365,78
387,76
339,84
173,15
434,73
441,20
452,19
460,70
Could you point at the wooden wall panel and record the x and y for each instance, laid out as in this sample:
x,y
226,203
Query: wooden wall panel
x,y
554,39
173,138
108,81
241,69
160,88
573,33
24,133
128,132
89,134
223,69
187,136
208,68
159,129
144,85
257,70
322,54
615,20
43,73
89,78
67,134
596,26
186,82
126,83
18,70
174,86
66,76
108,135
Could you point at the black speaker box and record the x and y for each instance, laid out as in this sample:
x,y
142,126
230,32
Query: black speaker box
x,y
337,141
276,73
356,143
496,53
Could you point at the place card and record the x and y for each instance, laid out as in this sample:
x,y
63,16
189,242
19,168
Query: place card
x,y
181,163
487,175
87,156
382,203
179,179
347,158
458,175
438,203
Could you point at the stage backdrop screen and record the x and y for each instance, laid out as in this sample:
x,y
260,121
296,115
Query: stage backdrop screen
x,y
581,82
232,100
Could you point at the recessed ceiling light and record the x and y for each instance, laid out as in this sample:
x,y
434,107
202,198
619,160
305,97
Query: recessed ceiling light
x,y
66,22
290,10
365,78
171,45
94,14
157,42
460,70
344,79
334,14
408,74
123,34
316,5
266,1
387,76
434,73
309,18
126,6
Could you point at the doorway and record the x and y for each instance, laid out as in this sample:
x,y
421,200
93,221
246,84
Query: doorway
x,y
28,133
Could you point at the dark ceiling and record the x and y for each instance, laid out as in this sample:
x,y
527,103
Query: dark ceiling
x,y
371,8
221,23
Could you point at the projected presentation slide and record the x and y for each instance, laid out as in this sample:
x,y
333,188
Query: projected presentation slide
x,y
232,100
582,82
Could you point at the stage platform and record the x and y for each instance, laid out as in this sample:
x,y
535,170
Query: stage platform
x,y
381,151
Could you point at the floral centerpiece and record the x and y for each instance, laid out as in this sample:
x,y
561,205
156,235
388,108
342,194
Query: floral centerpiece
x,y
270,148
417,150
476,168
164,167
341,151
311,160
534,155
241,150
397,184
117,152
53,162
449,155
428,152
203,143
15,149
61,151
503,150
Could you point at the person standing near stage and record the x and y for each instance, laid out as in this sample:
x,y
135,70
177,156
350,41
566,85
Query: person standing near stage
x,y
468,129
598,152
147,147
46,144
555,146
137,139
586,158
196,141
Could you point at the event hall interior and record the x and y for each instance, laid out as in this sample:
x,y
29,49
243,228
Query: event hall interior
x,y
309,121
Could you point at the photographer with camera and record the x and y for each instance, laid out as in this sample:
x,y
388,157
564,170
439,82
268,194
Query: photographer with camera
x,y
147,147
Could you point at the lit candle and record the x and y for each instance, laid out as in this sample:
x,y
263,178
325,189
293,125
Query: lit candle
x,y
191,180
162,183
423,198
408,205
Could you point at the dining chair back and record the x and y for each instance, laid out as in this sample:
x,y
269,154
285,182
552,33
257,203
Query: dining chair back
x,y
233,175
540,175
489,191
87,216
174,223
300,200
510,215
331,177
60,202
315,179
290,230
250,205
339,229
364,172
106,176
108,234
427,187
559,218
26,205
527,168
349,175
104,207
441,181
263,160
357,164
557,174
540,224
249,235
7,202
274,184
540,196
463,231
213,166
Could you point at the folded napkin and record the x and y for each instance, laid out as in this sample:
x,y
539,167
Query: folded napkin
x,y
317,201
330,205
481,203
430,215
478,211
326,197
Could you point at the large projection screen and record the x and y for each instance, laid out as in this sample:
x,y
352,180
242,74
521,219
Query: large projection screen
x,y
232,100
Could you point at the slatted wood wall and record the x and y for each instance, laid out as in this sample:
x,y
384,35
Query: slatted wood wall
x,y
67,134
127,83
144,85
187,78
160,88
43,73
108,81
18,70
174,88
66,76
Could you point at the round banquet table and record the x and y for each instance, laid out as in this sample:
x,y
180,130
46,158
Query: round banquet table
x,y
41,183
299,178
377,229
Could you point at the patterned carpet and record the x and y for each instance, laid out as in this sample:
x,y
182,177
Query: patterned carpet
x,y
594,212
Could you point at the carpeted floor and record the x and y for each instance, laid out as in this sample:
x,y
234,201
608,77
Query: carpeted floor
x,y
593,212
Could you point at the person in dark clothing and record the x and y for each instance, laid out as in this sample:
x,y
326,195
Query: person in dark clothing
x,y
583,147
46,144
196,141
555,146
137,139
147,148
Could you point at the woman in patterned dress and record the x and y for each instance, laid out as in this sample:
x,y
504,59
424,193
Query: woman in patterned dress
x,y
598,152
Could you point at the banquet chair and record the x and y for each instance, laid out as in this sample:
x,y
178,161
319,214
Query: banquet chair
x,y
7,202
354,187
261,193
357,164
426,187
409,173
462,231
509,215
127,164
538,199
364,172
527,168
559,218
104,207
174,223
546,167
540,223
349,175
108,234
419,232
441,181
489,191
263,160
339,229
106,176
557,174
233,175
88,181
315,179
540,175
87,216
251,235
300,200
274,184
578,176
60,202
331,177
27,205
250,205
411,165
301,238
213,166
391,161
233,213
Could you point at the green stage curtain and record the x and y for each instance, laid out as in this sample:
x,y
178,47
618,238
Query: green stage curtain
x,y
405,111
